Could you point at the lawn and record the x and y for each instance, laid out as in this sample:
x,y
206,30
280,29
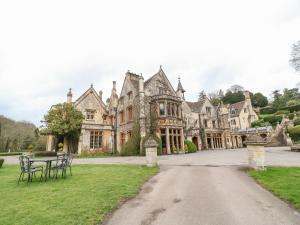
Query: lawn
x,y
282,181
84,198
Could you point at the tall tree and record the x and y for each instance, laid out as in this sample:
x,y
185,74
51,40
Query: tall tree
x,y
63,120
295,56
233,97
259,100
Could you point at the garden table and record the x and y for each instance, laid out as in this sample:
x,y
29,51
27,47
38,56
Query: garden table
x,y
48,162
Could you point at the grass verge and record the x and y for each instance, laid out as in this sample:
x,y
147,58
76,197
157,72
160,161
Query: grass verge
x,y
282,181
84,198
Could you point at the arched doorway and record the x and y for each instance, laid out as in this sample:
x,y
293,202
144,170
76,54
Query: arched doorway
x,y
195,141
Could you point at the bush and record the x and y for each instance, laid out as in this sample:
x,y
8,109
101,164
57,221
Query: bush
x,y
1,162
45,154
273,120
132,146
260,123
291,116
268,110
294,108
157,139
295,133
297,122
191,147
10,153
282,112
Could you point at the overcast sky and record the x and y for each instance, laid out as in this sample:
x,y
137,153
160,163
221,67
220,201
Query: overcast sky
x,y
47,47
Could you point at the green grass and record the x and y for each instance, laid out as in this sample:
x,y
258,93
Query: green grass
x,y
282,181
98,155
84,198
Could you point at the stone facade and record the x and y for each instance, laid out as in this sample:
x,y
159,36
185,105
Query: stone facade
x,y
155,104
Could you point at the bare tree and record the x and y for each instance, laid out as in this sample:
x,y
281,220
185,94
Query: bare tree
x,y
236,88
295,60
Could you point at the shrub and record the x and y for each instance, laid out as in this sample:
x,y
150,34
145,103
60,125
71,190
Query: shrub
x,y
293,108
260,123
10,153
297,121
157,139
291,116
1,162
45,154
273,120
191,147
132,146
295,133
282,112
268,110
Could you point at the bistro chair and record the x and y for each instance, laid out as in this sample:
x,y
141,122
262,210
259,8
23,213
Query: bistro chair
x,y
27,167
69,162
61,164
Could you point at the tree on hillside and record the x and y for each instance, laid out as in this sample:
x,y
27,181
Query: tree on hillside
x,y
295,60
259,100
63,120
236,88
233,97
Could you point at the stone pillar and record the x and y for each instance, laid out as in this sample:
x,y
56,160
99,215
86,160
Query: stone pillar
x,y
66,145
151,152
182,141
50,143
256,151
168,140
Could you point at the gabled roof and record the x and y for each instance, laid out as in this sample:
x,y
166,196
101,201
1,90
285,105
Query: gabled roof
x,y
237,107
86,93
196,106
160,73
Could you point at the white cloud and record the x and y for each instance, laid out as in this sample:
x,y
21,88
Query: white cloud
x,y
47,47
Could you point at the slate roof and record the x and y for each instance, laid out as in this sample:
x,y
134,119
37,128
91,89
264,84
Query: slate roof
x,y
237,107
196,106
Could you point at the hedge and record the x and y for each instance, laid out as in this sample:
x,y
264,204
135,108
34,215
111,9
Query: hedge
x,y
297,122
282,112
44,154
273,119
268,110
293,108
1,162
260,123
295,133
10,153
191,147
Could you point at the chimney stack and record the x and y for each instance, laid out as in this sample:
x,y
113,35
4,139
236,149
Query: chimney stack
x,y
100,94
69,96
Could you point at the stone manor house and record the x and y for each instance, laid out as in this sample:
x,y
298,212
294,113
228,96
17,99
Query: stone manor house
x,y
108,125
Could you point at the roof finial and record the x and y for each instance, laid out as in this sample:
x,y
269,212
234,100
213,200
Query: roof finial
x,y
91,85
70,92
160,67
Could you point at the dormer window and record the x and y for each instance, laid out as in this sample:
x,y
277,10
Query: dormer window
x,y
90,115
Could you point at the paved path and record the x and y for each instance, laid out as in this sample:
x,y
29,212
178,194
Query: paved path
x,y
192,195
274,156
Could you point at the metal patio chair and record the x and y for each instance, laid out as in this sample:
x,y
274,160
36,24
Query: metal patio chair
x,y
29,169
61,164
69,162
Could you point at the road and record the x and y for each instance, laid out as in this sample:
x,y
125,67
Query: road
x,y
212,195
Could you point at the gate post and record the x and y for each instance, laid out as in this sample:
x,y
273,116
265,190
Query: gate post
x,y
151,152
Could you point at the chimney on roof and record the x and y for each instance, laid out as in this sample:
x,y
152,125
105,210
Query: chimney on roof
x,y
69,96
100,94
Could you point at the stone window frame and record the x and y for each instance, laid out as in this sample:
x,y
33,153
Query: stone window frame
x,y
122,116
90,114
130,113
96,139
